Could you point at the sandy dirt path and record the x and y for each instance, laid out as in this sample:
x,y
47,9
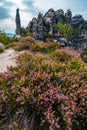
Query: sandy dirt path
x,y
7,58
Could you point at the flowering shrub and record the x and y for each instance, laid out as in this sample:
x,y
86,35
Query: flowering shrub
x,y
27,39
45,47
44,92
24,43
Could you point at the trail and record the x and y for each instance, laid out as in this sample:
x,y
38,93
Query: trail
x,y
7,58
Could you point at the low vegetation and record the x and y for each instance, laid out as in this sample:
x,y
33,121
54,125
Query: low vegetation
x,y
46,91
63,29
4,39
84,56
24,43
44,47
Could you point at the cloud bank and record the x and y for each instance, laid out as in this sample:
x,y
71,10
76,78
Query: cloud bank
x,y
31,8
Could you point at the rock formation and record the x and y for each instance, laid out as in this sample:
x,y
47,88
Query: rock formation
x,y
40,29
68,16
49,21
18,23
77,21
44,25
60,16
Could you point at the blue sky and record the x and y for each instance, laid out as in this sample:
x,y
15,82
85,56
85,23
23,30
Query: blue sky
x,y
31,8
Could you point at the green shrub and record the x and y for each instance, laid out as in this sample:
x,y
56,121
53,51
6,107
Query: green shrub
x,y
5,39
45,47
44,92
12,44
37,47
27,39
61,56
84,56
63,29
24,43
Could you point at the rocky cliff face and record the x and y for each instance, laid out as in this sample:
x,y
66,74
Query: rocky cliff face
x,y
44,25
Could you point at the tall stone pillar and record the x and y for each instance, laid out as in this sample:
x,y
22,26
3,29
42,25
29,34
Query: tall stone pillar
x,y
18,23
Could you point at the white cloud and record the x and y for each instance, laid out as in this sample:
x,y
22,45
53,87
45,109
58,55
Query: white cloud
x,y
25,18
45,5
30,8
8,25
25,15
1,4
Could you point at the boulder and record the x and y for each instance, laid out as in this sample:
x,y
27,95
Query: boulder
x,y
17,37
2,47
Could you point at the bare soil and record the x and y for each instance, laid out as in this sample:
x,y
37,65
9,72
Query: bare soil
x,y
7,58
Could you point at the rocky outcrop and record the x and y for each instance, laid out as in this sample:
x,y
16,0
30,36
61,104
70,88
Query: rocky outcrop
x,y
68,16
59,15
34,27
44,25
77,21
40,27
49,20
18,23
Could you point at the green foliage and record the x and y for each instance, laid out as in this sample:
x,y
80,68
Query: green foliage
x,y
24,43
64,29
5,39
29,33
84,56
11,44
27,39
45,47
60,56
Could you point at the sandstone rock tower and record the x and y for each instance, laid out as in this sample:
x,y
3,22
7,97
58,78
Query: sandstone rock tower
x,y
18,23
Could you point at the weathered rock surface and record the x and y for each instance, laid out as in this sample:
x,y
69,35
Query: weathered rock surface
x,y
44,26
49,20
60,15
68,16
77,21
40,29
34,27
18,23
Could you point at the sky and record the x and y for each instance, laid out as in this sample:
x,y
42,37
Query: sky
x,y
31,8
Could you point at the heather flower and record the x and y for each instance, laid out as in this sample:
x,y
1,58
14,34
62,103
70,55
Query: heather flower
x,y
48,91
8,75
10,126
